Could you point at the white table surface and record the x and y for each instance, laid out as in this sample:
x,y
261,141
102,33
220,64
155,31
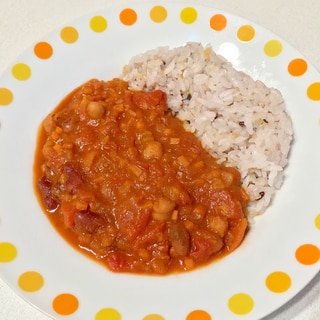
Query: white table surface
x,y
22,22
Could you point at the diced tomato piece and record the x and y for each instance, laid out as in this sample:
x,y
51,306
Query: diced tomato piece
x,y
204,247
132,219
230,208
150,100
118,262
152,234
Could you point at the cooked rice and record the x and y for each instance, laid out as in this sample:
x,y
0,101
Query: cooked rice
x,y
240,121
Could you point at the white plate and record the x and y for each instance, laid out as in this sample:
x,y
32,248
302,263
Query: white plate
x,y
280,255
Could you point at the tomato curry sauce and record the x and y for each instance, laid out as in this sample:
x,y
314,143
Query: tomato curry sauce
x,y
120,178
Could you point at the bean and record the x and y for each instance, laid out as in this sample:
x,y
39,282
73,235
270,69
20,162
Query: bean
x,y
49,124
95,110
162,209
153,150
73,177
45,190
177,193
88,221
227,178
179,239
217,224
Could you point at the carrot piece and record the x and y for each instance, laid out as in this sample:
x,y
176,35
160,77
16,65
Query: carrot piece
x,y
68,211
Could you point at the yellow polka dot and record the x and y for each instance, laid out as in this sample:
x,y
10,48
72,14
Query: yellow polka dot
x,y
246,33
30,281
241,304
278,282
6,96
308,254
313,91
153,317
98,24
198,315
158,14
65,304
188,15
8,252
69,34
317,221
273,48
21,71
108,314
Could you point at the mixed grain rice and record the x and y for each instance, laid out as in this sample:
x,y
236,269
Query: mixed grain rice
x,y
241,122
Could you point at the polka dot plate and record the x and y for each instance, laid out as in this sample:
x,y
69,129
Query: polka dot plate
x,y
280,255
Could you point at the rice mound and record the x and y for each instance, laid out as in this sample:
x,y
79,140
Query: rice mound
x,y
240,121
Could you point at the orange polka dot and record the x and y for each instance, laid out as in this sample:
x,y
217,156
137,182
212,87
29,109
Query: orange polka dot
x,y
8,252
43,50
198,315
128,16
65,304
158,14
246,33
98,24
297,67
313,91
308,254
273,48
241,304
153,317
6,97
218,22
278,282
108,314
21,71
69,34
30,281
188,15
317,221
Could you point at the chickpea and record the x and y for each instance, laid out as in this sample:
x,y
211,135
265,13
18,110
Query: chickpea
x,y
49,123
162,208
153,150
177,193
227,178
199,211
217,224
95,110
87,90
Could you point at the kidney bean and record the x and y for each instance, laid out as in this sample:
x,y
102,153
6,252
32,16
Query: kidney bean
x,y
180,239
88,221
73,177
45,189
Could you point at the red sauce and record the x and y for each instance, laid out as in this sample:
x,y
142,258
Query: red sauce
x,y
122,180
